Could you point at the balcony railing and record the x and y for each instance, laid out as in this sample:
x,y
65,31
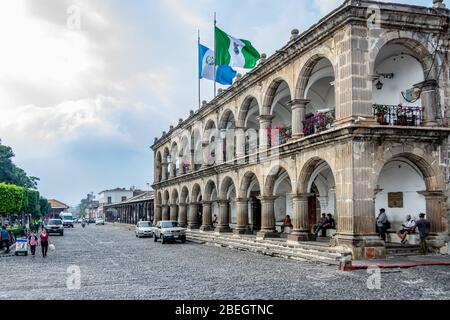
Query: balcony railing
x,y
398,115
318,122
279,135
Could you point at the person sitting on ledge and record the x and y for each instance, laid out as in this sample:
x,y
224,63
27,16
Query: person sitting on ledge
x,y
329,223
408,227
318,226
286,223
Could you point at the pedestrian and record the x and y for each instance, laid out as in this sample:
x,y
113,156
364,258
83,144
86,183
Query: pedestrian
x,y
424,230
215,220
407,228
44,242
286,223
382,224
33,241
5,238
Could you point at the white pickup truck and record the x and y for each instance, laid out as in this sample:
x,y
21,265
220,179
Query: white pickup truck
x,y
168,231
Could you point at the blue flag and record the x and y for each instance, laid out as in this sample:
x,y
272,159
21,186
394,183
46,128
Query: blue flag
x,y
224,74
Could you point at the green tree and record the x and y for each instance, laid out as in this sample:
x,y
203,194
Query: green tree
x,y
10,173
33,207
44,206
13,199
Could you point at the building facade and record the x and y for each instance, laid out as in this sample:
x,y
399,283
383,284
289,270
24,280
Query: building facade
x,y
56,208
348,117
137,208
113,196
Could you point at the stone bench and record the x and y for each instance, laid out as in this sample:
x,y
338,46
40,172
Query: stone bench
x,y
392,237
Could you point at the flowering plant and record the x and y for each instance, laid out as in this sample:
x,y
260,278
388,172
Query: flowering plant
x,y
318,122
279,135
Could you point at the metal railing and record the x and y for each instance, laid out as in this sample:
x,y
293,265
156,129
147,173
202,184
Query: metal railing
x,y
398,115
318,122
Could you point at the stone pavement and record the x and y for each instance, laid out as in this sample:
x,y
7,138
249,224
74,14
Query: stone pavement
x,y
114,264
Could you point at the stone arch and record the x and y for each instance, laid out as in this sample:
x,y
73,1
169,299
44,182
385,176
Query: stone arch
x,y
421,48
434,181
158,172
184,195
306,174
174,196
196,193
307,69
227,182
271,93
246,180
244,109
274,173
227,118
209,189
166,197
175,161
159,198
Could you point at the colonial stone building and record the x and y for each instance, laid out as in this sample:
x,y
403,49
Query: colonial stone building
x,y
348,117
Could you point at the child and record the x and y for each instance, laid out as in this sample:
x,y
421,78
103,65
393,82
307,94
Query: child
x,y
33,241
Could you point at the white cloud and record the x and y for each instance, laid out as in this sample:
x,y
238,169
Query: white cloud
x,y
326,6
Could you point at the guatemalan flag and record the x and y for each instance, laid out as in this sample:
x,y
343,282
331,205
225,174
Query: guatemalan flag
x,y
224,74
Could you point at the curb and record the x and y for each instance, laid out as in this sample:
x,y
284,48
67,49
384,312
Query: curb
x,y
393,266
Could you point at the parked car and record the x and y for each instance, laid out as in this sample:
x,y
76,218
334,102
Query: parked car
x,y
55,226
169,231
144,229
99,221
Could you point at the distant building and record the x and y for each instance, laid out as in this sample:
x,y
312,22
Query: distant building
x,y
114,196
137,208
56,207
91,210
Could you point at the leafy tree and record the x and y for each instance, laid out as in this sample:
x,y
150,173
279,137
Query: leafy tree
x,y
44,206
33,203
13,199
10,173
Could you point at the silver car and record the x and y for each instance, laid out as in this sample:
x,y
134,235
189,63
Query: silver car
x,y
144,229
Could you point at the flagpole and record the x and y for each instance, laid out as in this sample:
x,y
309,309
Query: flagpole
x,y
215,54
199,75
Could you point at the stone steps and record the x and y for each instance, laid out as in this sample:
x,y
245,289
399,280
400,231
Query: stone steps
x,y
402,250
275,248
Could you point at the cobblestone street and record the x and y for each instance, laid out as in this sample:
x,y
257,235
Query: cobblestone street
x,y
115,264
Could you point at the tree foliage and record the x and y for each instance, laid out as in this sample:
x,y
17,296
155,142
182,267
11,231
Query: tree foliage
x,y
13,199
44,206
33,203
10,173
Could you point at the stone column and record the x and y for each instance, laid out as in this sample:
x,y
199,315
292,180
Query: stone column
x,y
268,229
219,150
207,217
165,212
174,212
193,222
224,221
437,215
205,152
301,231
242,226
172,169
164,171
298,107
240,142
265,123
182,216
428,101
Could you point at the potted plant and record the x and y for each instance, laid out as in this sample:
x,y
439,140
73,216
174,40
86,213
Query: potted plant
x,y
380,112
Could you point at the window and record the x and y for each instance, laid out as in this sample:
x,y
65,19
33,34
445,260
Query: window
x,y
109,200
124,198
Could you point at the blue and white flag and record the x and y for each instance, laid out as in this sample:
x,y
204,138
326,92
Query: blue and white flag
x,y
224,74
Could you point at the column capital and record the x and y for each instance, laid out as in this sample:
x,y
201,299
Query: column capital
x,y
182,204
223,202
298,103
432,194
207,203
265,117
300,196
267,198
241,200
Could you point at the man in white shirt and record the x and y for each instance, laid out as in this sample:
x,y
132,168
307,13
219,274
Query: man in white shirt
x,y
407,228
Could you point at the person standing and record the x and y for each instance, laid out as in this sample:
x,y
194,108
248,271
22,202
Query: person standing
x,y
44,242
381,224
33,241
424,230
5,238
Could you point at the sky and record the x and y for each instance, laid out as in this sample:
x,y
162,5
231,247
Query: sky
x,y
85,86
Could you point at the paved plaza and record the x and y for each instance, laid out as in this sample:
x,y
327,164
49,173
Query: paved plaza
x,y
114,264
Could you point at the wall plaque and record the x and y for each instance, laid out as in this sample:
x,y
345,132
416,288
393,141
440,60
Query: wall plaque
x,y
395,199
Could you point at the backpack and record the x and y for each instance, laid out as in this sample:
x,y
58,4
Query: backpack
x,y
387,225
33,240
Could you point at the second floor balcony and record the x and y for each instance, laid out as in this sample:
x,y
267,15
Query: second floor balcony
x,y
398,115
